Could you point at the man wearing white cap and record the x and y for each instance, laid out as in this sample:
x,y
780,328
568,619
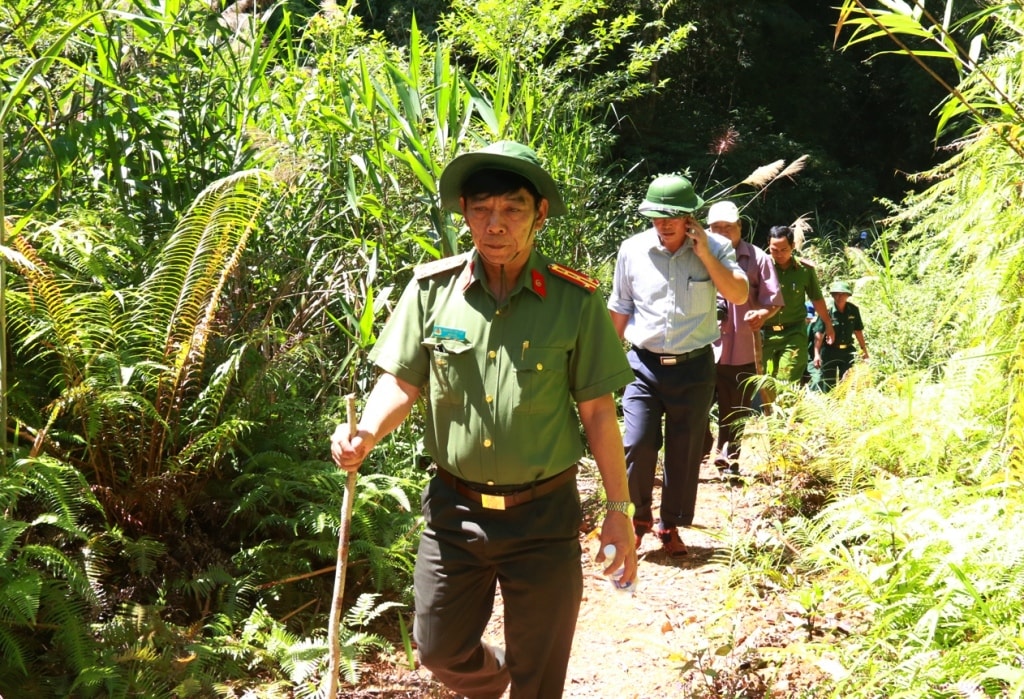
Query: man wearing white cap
x,y
737,351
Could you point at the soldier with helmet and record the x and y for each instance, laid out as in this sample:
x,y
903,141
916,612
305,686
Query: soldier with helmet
x,y
833,360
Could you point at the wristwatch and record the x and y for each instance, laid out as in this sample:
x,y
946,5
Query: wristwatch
x,y
626,507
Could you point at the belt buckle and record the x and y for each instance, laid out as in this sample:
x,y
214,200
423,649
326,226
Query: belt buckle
x,y
667,360
778,328
492,502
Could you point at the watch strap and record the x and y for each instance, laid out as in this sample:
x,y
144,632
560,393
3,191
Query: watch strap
x,y
624,506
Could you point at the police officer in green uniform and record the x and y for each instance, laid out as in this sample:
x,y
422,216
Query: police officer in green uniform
x,y
509,351
785,336
836,359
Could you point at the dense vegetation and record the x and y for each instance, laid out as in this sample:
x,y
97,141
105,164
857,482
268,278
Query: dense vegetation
x,y
207,215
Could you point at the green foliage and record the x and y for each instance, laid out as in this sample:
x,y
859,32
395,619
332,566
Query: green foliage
x,y
184,338
932,569
292,511
932,562
131,396
143,110
48,578
550,69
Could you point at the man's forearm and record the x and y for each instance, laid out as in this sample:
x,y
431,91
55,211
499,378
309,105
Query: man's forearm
x,y
388,405
619,322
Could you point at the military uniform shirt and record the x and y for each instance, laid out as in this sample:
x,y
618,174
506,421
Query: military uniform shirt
x,y
797,282
845,323
500,382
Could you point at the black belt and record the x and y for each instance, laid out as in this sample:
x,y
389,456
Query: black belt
x,y
670,359
503,501
786,326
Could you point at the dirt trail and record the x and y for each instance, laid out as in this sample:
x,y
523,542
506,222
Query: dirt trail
x,y
634,647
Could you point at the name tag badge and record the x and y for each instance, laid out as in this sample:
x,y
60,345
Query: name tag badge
x,y
442,333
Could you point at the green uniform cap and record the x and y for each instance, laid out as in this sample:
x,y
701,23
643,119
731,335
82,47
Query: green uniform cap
x,y
840,288
503,155
670,196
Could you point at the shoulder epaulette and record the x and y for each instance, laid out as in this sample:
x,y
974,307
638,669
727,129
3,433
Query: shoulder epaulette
x,y
445,264
805,262
571,275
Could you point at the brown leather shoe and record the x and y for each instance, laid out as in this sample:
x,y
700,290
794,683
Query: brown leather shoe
x,y
671,543
641,527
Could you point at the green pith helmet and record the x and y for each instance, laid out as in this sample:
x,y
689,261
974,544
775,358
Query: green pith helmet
x,y
840,288
503,155
670,196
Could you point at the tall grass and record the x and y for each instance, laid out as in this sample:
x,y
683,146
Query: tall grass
x,y
918,542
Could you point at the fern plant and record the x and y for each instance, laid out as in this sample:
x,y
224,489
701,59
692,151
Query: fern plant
x,y
134,402
49,578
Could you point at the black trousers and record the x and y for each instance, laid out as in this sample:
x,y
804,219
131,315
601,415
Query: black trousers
x,y
532,551
735,393
681,394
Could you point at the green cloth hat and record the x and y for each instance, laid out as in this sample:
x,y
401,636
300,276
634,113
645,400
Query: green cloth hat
x,y
503,155
670,196
840,288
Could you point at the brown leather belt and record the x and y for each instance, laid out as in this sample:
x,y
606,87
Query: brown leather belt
x,y
503,501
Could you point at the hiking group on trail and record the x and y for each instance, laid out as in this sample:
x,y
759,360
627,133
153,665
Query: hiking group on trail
x,y
511,352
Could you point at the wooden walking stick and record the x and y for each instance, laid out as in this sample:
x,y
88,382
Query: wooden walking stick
x,y
759,369
334,624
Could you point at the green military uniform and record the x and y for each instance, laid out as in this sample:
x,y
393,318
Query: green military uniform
x,y
785,335
502,380
837,358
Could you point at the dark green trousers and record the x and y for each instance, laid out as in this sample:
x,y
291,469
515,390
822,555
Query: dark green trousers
x,y
532,552
834,365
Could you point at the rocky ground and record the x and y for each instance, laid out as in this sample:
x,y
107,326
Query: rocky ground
x,y
687,615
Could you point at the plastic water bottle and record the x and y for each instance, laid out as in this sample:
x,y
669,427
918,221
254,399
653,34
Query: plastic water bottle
x,y
616,578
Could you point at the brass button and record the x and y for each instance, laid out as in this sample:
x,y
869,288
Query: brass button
x,y
490,482
487,442
492,354
540,367
489,398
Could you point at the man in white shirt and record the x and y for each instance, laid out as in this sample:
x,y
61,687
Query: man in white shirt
x,y
663,302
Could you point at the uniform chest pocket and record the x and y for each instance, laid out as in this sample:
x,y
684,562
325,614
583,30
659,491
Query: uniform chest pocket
x,y
542,379
451,362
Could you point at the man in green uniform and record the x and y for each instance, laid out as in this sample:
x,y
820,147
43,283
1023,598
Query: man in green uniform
x,y
836,359
506,349
785,337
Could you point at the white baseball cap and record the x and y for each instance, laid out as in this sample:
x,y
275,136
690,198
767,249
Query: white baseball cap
x,y
724,211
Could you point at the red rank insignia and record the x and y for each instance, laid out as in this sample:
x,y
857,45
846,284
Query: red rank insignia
x,y
571,275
